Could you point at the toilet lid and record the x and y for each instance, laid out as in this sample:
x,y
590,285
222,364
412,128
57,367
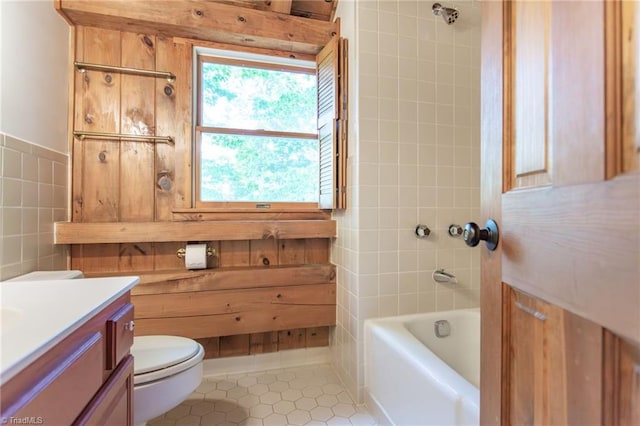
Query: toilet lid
x,y
153,353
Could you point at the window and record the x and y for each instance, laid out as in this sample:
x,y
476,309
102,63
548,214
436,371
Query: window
x,y
267,131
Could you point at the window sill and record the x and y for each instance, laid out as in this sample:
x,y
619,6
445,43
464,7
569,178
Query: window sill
x,y
199,230
199,214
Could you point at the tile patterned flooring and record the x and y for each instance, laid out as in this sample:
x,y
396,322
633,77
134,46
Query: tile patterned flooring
x,y
307,395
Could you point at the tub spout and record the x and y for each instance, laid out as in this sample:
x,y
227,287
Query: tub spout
x,y
440,276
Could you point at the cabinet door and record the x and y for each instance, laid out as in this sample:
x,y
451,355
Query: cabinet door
x,y
113,404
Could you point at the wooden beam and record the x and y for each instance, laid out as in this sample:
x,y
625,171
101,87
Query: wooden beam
x,y
203,21
223,302
231,278
274,318
135,232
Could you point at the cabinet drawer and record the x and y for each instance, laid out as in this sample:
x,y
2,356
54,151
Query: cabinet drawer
x,y
119,335
60,395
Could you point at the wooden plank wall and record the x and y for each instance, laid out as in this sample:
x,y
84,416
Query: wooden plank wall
x,y
133,181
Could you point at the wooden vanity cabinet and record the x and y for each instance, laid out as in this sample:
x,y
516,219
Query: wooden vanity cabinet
x,y
87,378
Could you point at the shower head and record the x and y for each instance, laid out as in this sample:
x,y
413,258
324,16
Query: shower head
x,y
448,14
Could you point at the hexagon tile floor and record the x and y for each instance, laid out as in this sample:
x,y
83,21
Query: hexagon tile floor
x,y
308,395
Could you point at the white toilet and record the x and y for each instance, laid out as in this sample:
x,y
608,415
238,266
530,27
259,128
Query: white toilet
x,y
167,369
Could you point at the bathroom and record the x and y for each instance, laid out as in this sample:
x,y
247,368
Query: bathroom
x,y
414,159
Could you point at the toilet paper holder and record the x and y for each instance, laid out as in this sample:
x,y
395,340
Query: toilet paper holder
x,y
182,252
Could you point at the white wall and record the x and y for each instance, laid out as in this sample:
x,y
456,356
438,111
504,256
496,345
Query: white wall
x,y
414,157
34,52
34,55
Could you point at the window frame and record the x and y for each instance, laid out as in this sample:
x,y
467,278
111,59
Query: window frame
x,y
206,57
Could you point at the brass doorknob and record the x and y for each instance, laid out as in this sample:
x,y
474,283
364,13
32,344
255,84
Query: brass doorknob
x,y
472,234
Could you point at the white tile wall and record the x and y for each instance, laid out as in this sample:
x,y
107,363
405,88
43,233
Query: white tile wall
x,y
33,195
414,157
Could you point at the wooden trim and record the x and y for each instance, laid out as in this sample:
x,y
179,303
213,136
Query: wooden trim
x,y
251,132
211,21
246,49
251,213
493,359
613,89
133,232
251,63
630,109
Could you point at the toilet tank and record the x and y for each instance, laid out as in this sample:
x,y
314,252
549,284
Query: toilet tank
x,y
48,275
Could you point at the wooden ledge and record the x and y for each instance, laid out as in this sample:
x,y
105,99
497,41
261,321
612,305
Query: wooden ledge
x,y
155,232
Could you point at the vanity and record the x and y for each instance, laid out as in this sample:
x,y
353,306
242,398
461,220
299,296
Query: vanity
x,y
65,352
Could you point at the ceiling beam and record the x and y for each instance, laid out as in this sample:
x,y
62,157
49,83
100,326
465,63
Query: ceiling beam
x,y
209,21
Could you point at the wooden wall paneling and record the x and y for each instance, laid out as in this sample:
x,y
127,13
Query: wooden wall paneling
x,y
264,252
214,260
181,280
137,158
292,339
268,318
100,258
317,336
211,347
179,58
169,121
166,257
291,252
76,257
234,253
101,113
135,257
316,250
261,343
77,149
236,345
237,302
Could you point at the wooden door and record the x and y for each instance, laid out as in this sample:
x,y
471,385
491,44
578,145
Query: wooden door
x,y
560,155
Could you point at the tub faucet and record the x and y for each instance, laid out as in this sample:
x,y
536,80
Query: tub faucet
x,y
440,276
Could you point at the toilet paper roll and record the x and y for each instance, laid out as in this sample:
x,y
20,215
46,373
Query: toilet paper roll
x,y
196,256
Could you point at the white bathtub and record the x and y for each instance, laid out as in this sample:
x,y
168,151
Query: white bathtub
x,y
414,378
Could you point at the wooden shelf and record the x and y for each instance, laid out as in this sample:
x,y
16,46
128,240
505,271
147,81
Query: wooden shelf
x,y
228,230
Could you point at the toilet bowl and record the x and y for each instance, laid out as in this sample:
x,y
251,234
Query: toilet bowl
x,y
167,369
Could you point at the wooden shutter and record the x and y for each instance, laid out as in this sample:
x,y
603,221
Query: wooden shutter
x,y
332,123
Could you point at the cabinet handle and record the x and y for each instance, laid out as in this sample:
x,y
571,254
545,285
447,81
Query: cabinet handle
x,y
129,325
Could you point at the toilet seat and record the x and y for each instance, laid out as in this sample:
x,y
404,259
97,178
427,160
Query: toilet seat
x,y
159,357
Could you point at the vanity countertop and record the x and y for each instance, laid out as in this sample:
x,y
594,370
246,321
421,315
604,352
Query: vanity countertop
x,y
37,315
